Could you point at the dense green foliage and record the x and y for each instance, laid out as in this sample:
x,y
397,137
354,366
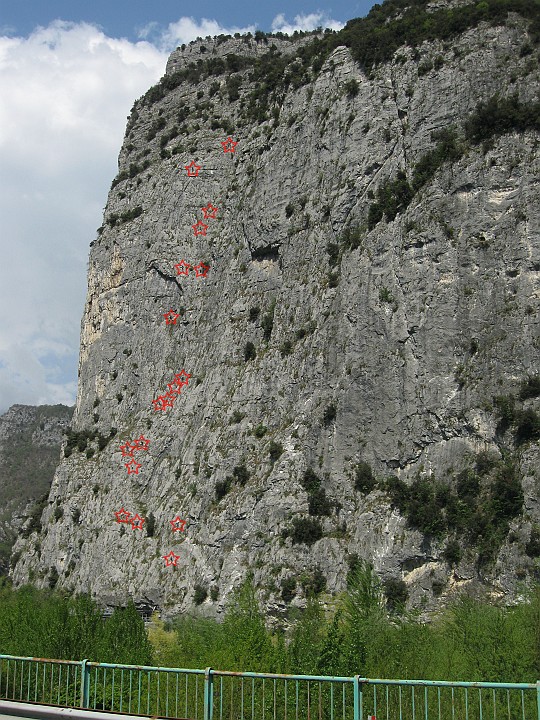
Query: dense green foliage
x,y
318,503
82,438
471,640
48,624
477,506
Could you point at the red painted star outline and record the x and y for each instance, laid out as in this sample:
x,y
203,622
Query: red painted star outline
x,y
203,272
171,317
181,378
229,145
127,453
171,559
182,268
210,212
133,467
200,224
173,390
164,400
178,521
137,522
141,443
124,514
191,171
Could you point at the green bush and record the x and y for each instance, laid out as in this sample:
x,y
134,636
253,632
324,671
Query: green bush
x,y
260,431
233,86
452,552
505,405
306,531
351,88
318,503
364,480
313,583
275,451
506,494
532,547
333,279
530,387
249,352
241,474
286,348
254,313
333,253
289,209
288,589
236,417
267,322
53,577
329,414
396,593
200,593
485,462
150,525
527,426
222,488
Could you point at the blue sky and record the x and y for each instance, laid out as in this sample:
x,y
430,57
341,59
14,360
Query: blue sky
x,y
70,71
126,18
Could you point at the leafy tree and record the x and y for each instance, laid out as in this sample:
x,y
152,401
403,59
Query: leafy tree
x,y
124,638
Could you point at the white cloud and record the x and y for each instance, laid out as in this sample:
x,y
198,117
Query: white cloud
x,y
66,91
305,22
185,30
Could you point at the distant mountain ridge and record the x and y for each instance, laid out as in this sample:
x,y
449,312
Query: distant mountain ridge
x,y
30,441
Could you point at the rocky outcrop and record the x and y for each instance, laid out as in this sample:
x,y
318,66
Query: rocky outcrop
x,y
324,337
30,440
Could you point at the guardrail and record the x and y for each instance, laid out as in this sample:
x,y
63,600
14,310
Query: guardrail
x,y
218,694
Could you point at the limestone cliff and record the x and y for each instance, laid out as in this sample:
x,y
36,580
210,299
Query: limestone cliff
x,y
364,347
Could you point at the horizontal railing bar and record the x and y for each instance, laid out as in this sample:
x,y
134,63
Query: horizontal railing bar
x,y
279,676
37,659
450,683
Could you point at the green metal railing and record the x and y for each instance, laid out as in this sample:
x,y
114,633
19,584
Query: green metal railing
x,y
221,695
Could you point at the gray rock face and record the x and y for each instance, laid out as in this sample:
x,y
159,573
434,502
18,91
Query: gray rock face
x,y
30,441
392,356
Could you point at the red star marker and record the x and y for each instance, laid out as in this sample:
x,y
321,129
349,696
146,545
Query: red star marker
x,y
141,443
178,524
171,317
170,559
182,378
202,268
200,224
210,212
193,169
133,467
127,450
136,522
163,402
229,145
173,390
122,515
182,268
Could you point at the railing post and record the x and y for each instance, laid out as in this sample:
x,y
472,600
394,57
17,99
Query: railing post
x,y
209,694
358,698
538,698
85,684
